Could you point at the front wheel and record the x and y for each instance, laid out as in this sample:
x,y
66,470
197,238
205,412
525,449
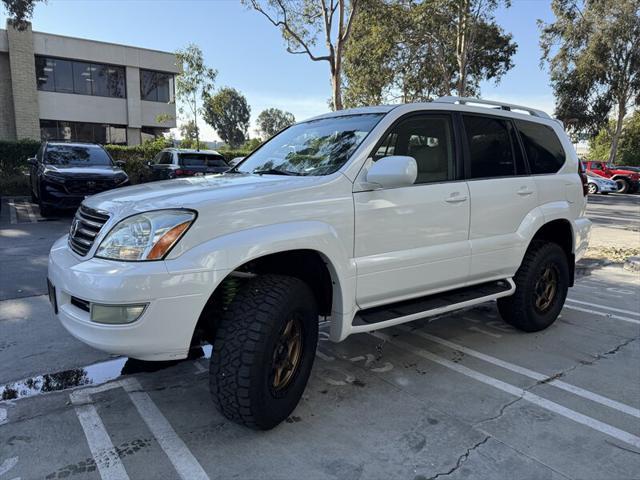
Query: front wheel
x,y
542,282
623,185
263,351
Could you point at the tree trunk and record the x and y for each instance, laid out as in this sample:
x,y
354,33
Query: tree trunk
x,y
615,138
461,46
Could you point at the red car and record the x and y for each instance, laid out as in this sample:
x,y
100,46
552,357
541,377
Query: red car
x,y
627,180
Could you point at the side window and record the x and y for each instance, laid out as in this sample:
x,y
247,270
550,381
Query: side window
x,y
491,147
596,166
544,151
164,158
426,138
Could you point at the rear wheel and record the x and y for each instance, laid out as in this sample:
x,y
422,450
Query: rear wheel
x,y
623,185
541,282
263,351
593,188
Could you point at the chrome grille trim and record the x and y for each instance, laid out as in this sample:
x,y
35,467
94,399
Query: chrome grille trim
x,y
85,227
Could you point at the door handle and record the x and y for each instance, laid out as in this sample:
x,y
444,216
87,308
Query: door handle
x,y
524,191
456,198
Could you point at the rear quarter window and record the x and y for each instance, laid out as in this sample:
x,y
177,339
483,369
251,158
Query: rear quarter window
x,y
543,148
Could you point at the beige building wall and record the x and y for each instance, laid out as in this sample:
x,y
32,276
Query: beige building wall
x,y
23,83
22,105
7,120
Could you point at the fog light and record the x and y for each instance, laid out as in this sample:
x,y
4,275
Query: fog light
x,y
116,314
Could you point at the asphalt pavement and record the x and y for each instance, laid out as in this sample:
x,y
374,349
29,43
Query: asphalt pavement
x,y
459,396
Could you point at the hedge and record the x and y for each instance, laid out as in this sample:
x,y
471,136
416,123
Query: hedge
x,y
14,168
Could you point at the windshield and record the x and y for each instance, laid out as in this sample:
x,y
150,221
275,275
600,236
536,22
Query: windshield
x,y
201,160
77,155
317,147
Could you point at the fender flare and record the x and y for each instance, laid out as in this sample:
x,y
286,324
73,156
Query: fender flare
x,y
226,253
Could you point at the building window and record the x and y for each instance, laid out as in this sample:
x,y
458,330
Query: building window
x,y
156,86
83,132
70,76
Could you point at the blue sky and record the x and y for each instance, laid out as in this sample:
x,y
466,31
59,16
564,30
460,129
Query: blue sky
x,y
249,53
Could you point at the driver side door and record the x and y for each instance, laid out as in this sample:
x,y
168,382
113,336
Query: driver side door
x,y
414,240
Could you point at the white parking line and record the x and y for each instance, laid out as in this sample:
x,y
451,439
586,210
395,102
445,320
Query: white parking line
x,y
604,217
180,456
604,307
32,216
3,416
12,212
602,314
577,417
102,450
581,392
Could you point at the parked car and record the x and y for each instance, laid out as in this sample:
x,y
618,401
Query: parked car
x,y
181,162
63,174
235,161
373,217
627,180
599,184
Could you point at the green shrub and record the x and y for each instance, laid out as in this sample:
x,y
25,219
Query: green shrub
x,y
230,154
14,184
14,167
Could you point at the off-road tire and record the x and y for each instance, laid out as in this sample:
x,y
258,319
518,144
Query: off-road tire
x,y
519,309
592,188
244,346
623,185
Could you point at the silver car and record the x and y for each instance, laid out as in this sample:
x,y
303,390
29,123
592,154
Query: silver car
x,y
600,184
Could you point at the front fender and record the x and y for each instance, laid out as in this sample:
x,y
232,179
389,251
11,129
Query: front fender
x,y
228,252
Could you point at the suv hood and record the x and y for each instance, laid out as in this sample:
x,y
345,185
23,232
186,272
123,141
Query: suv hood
x,y
206,192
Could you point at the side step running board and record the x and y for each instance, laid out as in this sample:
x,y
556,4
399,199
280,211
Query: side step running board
x,y
429,306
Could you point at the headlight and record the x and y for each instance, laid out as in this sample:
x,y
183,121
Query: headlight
x,y
146,236
120,177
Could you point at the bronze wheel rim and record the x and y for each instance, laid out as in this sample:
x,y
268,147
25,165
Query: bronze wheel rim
x,y
546,288
287,355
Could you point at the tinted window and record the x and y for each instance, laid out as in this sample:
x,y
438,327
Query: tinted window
x,y
87,132
82,78
426,138
76,155
63,72
490,147
315,147
70,76
108,81
201,160
164,158
544,151
156,86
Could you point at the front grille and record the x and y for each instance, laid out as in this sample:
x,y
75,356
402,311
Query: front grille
x,y
85,228
88,185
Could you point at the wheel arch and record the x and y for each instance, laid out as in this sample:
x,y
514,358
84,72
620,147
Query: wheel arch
x,y
559,231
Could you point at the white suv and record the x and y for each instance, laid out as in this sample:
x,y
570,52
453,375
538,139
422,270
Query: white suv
x,y
373,217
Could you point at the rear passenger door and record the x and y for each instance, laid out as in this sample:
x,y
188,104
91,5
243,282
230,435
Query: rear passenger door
x,y
502,194
413,240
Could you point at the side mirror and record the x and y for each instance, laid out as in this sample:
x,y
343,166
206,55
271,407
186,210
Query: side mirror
x,y
394,171
148,164
32,160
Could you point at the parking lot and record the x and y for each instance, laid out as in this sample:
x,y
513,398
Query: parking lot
x,y
459,396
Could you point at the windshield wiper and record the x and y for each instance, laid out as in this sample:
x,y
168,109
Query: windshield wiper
x,y
275,171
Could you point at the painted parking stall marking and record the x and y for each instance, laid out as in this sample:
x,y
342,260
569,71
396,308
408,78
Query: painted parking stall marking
x,y
604,307
102,449
540,377
554,407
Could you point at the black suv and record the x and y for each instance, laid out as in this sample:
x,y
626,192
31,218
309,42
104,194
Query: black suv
x,y
62,174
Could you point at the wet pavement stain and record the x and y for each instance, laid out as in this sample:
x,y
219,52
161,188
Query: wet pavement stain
x,y
95,374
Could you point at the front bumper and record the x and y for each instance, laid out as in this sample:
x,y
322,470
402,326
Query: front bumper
x,y
163,332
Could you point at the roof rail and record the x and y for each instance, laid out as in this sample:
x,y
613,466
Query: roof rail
x,y
502,105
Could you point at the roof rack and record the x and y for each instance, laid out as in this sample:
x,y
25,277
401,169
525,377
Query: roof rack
x,y
503,106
